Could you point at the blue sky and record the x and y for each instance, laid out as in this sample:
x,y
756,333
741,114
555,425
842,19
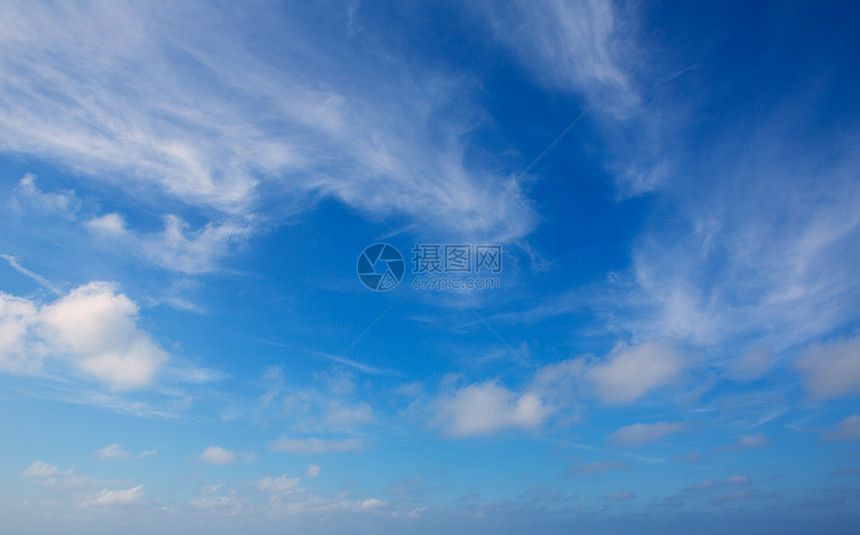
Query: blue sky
x,y
671,343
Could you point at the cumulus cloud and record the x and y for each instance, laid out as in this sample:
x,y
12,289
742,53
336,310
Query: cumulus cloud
x,y
847,429
115,498
313,470
147,453
40,469
629,373
113,452
217,455
758,440
28,194
177,247
93,328
341,415
308,446
486,408
638,434
831,369
277,484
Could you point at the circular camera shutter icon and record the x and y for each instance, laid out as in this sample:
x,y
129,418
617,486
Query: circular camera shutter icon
x,y
380,267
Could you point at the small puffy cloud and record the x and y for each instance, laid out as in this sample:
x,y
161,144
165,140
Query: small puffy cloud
x,y
620,495
313,470
109,225
638,434
758,440
629,373
308,446
832,369
340,415
484,409
847,429
597,467
209,490
277,484
147,453
93,328
113,498
40,469
177,247
17,352
113,451
97,326
50,476
64,203
217,455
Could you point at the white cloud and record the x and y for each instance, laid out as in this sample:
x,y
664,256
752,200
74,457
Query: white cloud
x,y
17,317
113,451
313,470
28,194
114,498
831,369
591,48
638,434
40,469
847,429
758,440
630,373
340,415
93,328
217,455
277,484
486,408
147,453
96,325
35,276
302,501
50,476
263,134
110,225
176,247
721,276
570,46
308,446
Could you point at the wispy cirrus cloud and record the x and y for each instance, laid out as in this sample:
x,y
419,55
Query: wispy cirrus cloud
x,y
191,114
